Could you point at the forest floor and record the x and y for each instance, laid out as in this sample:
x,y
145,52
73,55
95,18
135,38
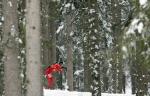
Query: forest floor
x,y
74,93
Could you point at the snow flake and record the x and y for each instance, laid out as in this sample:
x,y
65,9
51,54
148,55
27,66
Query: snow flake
x,y
93,37
124,56
10,3
92,11
85,38
132,44
2,18
124,48
46,15
118,71
95,82
110,65
92,19
71,33
140,27
148,51
20,41
18,57
23,51
135,21
73,7
60,28
95,30
78,72
13,30
67,5
95,72
22,75
96,46
62,47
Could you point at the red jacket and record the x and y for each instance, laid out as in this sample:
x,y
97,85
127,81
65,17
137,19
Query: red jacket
x,y
49,73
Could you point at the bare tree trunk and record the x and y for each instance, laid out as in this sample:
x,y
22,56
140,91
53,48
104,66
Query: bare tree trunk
x,y
33,50
11,64
52,25
53,41
87,74
49,31
1,54
45,33
69,67
69,52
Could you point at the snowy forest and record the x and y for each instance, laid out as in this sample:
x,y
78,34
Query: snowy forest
x,y
102,46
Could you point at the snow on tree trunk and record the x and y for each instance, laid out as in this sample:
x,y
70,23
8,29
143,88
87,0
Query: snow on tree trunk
x,y
11,64
116,47
128,82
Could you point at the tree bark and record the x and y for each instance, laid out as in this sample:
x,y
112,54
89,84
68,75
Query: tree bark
x,y
69,28
116,47
69,67
1,53
11,64
49,31
53,41
45,33
33,48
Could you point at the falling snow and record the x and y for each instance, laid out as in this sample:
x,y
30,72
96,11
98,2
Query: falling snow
x,y
10,3
67,5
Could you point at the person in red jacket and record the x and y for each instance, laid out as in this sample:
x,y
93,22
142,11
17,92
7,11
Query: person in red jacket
x,y
49,71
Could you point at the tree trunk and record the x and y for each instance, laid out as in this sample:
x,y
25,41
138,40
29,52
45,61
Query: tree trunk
x,y
69,28
45,33
33,49
69,67
116,47
11,64
53,41
49,9
93,47
1,54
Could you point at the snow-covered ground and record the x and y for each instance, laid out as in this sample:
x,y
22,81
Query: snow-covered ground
x,y
65,93
107,94
74,93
